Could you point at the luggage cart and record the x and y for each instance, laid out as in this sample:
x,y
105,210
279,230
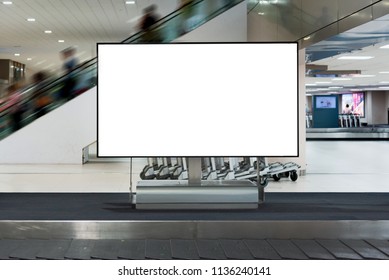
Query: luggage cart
x,y
278,170
275,170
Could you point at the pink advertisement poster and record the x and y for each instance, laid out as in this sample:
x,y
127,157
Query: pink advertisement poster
x,y
353,103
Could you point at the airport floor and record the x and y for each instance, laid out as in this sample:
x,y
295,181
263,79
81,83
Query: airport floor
x,y
332,166
82,225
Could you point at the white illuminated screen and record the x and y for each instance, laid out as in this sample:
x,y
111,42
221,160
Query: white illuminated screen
x,y
227,99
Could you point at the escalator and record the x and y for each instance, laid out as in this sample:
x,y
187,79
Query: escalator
x,y
16,114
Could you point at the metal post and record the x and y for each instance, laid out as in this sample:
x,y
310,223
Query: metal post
x,y
194,171
261,189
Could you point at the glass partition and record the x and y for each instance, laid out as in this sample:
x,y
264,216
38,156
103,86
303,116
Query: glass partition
x,y
280,20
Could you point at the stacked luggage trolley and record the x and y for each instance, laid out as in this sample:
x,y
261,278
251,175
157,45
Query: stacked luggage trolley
x,y
221,169
206,183
349,120
248,169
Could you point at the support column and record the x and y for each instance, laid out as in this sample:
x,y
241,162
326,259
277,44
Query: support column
x,y
194,171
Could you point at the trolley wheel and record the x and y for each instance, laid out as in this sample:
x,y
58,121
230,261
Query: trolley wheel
x,y
276,177
286,174
142,175
263,181
293,176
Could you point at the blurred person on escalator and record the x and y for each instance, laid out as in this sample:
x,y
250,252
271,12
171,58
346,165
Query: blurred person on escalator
x,y
13,103
42,98
70,62
147,21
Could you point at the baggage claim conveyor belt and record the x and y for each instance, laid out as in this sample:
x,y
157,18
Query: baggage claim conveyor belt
x,y
106,226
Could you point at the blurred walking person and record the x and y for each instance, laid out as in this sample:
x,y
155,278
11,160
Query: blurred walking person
x,y
147,22
70,63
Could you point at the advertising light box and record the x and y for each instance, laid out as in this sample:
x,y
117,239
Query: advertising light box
x,y
200,99
326,102
355,102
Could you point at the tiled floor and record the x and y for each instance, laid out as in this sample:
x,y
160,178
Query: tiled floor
x,y
332,166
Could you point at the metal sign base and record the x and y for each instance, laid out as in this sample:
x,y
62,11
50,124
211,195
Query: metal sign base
x,y
181,194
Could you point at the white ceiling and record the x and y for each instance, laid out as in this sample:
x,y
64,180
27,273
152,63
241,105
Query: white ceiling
x,y
364,40
80,23
83,23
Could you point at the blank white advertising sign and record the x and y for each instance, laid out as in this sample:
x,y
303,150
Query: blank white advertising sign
x,y
222,99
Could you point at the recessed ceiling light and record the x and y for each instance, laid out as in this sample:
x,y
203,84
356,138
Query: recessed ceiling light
x,y
40,62
385,47
31,19
307,38
384,72
355,57
17,54
334,87
29,58
130,2
61,41
323,82
7,2
48,31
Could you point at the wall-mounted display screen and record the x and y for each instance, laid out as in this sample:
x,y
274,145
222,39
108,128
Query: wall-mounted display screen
x,y
353,103
325,102
197,99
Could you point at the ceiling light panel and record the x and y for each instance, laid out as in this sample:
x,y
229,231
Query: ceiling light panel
x,y
356,57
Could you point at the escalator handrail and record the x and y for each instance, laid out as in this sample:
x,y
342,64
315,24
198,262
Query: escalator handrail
x,y
161,21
